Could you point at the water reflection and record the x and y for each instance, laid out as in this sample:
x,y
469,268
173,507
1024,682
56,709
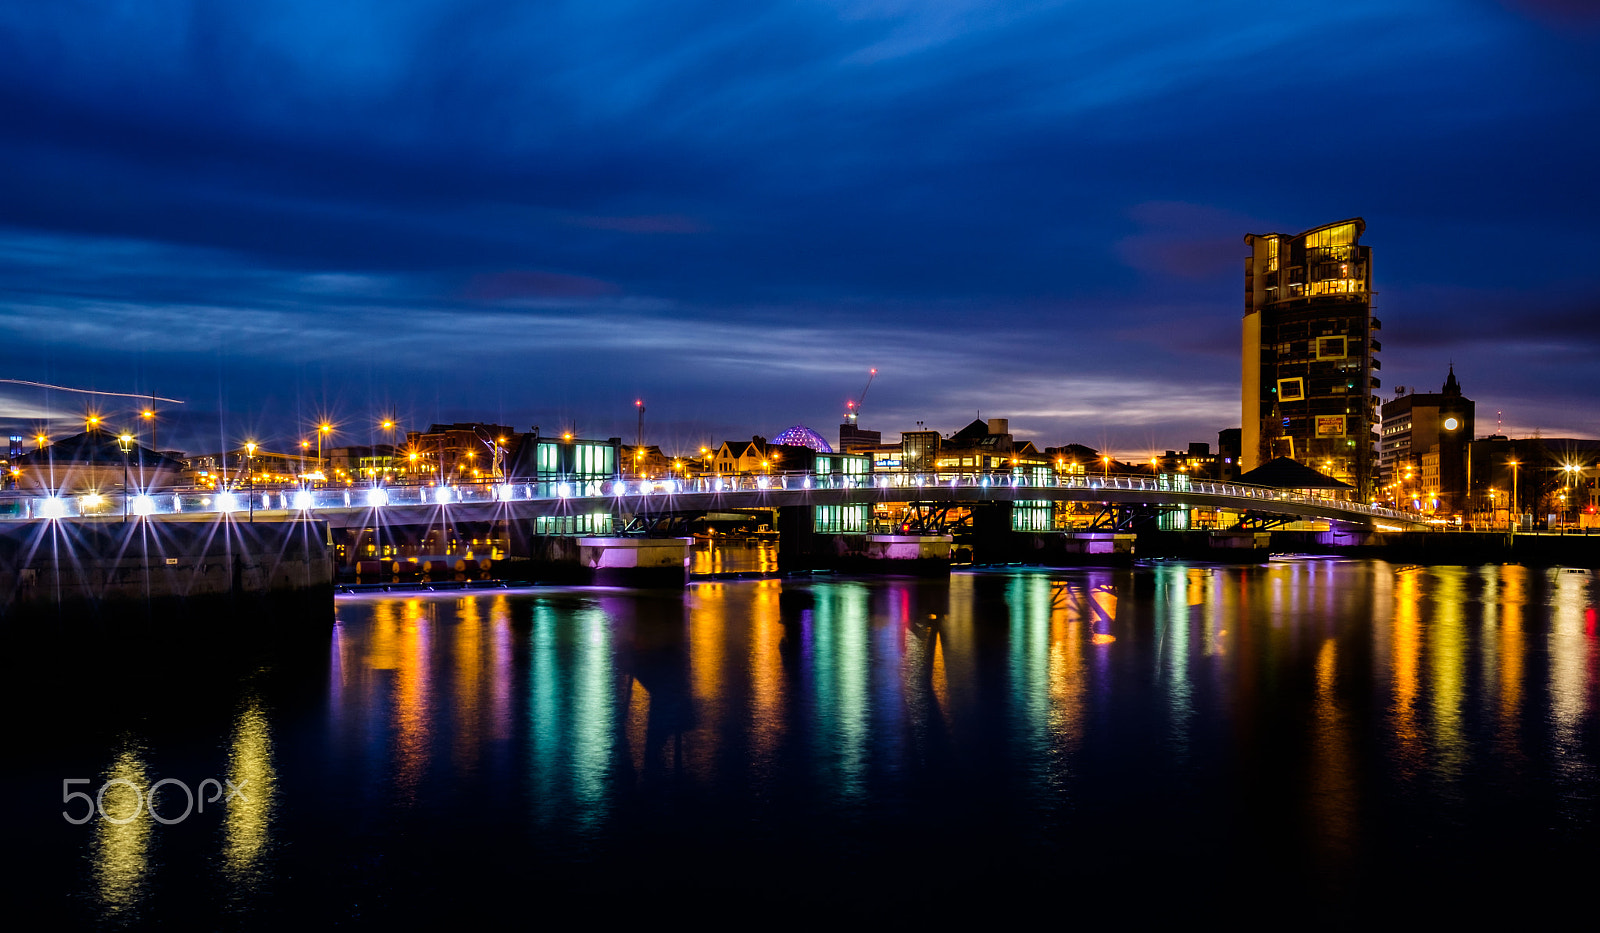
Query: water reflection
x,y
1447,665
251,798
1574,651
122,833
734,555
1323,717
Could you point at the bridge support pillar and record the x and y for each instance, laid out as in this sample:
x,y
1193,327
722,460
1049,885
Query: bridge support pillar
x,y
923,555
1242,540
645,562
796,538
993,541
1099,543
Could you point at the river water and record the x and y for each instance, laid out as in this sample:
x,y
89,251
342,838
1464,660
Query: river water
x,y
1325,737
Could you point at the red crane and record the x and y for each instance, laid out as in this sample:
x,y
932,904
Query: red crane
x,y
853,409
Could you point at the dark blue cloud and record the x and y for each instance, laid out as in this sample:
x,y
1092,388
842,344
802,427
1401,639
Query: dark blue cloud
x,y
540,212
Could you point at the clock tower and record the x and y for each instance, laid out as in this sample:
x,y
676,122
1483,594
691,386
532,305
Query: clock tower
x,y
1423,450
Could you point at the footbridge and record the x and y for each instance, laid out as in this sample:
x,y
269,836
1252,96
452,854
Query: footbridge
x,y
605,507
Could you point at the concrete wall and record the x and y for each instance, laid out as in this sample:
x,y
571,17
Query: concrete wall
x,y
156,578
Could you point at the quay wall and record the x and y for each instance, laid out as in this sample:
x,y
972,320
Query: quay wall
x,y
88,582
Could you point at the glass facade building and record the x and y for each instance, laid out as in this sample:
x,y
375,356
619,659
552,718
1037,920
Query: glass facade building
x,y
583,467
1309,353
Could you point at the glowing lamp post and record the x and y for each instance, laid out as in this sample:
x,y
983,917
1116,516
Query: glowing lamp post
x,y
1515,502
250,475
125,444
1570,499
323,430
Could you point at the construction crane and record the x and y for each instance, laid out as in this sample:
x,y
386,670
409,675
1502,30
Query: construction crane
x,y
852,413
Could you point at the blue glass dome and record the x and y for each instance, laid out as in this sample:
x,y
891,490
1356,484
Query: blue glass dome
x,y
802,436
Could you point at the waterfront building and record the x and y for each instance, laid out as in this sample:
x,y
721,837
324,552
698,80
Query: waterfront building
x,y
1294,476
1228,444
230,468
918,450
757,456
1549,480
1422,453
801,436
647,462
1309,352
988,446
583,464
853,439
92,463
363,463
459,452
794,449
1198,462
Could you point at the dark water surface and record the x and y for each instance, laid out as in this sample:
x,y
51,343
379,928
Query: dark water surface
x,y
1303,742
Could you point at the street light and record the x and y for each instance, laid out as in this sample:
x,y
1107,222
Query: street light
x,y
322,431
125,443
1572,470
250,475
1515,502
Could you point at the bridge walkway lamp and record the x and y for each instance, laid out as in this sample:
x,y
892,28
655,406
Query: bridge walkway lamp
x,y
125,444
1570,499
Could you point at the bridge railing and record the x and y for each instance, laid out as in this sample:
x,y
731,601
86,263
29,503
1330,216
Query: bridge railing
x,y
26,506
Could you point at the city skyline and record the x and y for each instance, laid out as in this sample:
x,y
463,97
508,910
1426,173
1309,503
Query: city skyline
x,y
1033,211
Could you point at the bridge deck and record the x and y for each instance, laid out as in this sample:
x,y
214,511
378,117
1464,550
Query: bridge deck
x,y
355,506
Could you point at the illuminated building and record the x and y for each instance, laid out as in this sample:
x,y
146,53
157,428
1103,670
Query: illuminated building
x,y
1422,453
370,462
759,456
460,452
853,438
918,449
1308,358
802,436
647,462
93,463
551,461
984,446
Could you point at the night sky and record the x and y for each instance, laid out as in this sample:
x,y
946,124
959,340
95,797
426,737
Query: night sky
x,y
535,213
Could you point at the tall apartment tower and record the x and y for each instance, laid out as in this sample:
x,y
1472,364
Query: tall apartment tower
x,y
1308,353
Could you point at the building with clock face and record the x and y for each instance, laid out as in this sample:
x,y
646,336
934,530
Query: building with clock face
x,y
1422,452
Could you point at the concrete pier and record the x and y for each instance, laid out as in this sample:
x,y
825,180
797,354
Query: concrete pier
x,y
641,562
605,561
90,582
